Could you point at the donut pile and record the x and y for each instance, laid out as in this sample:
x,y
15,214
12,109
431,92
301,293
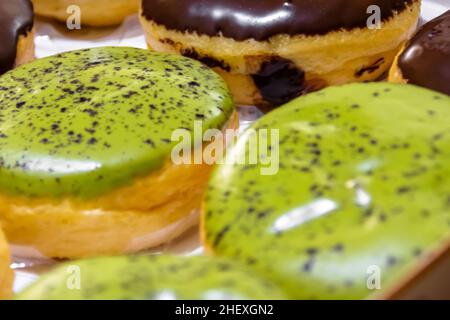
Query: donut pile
x,y
362,177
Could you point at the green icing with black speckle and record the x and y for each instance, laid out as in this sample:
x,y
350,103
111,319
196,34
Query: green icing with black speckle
x,y
152,278
363,186
84,122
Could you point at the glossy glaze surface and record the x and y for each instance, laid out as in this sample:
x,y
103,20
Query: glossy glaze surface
x,y
16,19
363,186
426,58
84,122
153,278
260,20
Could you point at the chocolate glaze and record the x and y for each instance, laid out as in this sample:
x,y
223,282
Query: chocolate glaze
x,y
426,59
16,18
208,60
370,69
279,81
246,19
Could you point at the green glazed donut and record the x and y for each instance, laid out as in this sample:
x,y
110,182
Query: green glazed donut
x,y
361,198
151,278
86,141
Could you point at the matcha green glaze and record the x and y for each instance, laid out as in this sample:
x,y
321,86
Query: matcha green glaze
x,y
364,181
84,122
154,278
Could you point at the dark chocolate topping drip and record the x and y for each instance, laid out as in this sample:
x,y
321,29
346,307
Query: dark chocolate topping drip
x,y
16,18
262,19
426,59
279,81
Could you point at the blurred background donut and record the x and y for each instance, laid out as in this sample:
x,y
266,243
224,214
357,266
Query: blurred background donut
x,y
16,34
6,274
93,12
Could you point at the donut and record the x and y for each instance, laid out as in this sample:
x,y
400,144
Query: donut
x,y
86,140
16,34
153,278
270,52
6,274
425,60
97,13
360,200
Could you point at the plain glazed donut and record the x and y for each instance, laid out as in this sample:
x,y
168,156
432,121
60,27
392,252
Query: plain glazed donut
x,y
270,52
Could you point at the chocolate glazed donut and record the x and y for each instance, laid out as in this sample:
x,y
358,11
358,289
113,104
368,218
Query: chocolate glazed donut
x,y
16,19
260,20
269,51
426,59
